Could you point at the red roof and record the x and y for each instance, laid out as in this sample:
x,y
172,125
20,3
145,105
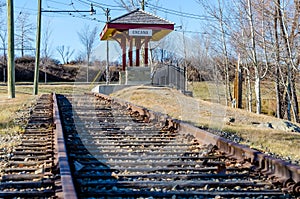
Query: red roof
x,y
137,19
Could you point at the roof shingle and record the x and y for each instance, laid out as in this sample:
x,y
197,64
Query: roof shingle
x,y
139,17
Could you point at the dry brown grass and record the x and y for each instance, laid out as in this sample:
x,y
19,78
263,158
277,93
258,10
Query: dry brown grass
x,y
9,107
213,115
210,91
24,98
176,105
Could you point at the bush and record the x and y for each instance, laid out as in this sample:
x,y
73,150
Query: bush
x,y
50,61
25,60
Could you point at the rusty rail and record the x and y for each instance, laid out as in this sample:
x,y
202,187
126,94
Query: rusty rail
x,y
107,147
109,156
268,164
286,173
62,156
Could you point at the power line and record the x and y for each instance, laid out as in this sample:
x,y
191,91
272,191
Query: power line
x,y
87,18
190,31
178,13
92,11
184,14
112,7
65,14
57,2
52,7
75,10
102,5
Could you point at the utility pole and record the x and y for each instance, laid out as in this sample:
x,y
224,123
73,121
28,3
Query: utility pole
x,y
37,51
143,4
185,85
10,53
238,86
107,50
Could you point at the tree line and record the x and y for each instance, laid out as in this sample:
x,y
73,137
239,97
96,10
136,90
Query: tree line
x,y
257,38
263,37
25,30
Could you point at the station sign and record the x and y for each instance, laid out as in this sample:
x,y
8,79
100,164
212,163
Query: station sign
x,y
140,32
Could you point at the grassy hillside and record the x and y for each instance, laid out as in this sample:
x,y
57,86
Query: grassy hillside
x,y
252,128
213,92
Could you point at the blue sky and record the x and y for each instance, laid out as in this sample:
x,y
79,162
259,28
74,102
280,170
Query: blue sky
x,y
64,27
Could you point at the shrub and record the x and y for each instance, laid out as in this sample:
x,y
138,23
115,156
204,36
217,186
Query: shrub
x,y
25,60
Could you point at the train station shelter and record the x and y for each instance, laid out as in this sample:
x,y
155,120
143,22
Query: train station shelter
x,y
133,31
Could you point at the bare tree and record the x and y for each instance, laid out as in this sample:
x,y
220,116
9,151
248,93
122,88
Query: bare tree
x,y
2,4
61,52
129,5
250,38
46,47
254,59
2,20
80,57
65,53
46,42
24,32
3,35
221,29
265,35
279,43
87,37
287,51
225,54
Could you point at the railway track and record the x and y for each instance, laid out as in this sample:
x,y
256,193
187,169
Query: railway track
x,y
119,150
92,146
30,170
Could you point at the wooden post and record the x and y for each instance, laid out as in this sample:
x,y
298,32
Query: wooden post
x,y
130,52
37,50
10,53
240,87
107,50
137,51
238,90
123,45
146,50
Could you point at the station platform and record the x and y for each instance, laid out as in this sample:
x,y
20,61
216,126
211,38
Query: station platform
x,y
108,89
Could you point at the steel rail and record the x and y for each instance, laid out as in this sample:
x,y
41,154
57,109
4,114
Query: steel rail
x,y
63,162
287,174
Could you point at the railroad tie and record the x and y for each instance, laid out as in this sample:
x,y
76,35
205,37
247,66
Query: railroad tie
x,y
116,152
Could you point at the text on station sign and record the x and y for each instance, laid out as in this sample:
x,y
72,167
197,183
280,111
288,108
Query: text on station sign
x,y
140,32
